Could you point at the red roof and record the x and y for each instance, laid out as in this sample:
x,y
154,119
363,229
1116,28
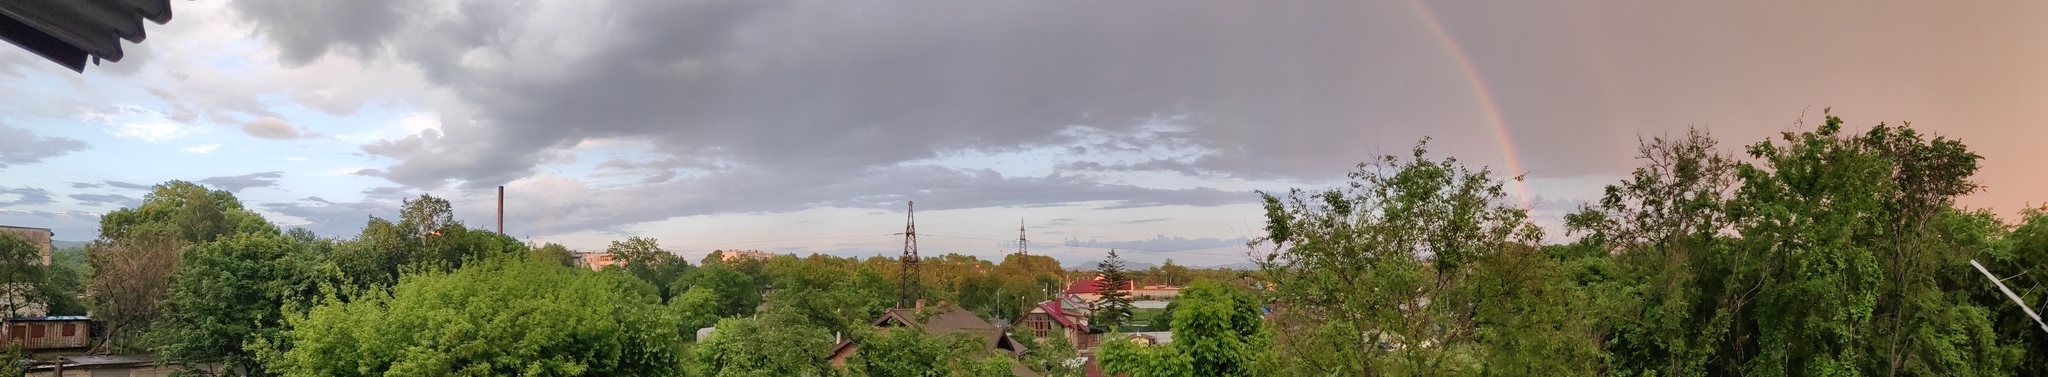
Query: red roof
x,y
1094,286
1058,310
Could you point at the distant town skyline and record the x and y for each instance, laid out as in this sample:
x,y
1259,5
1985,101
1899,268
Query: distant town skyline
x,y
805,126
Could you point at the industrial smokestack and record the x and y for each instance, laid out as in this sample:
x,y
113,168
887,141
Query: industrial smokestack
x,y
501,209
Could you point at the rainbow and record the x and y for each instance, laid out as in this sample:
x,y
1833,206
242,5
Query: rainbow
x,y
1486,104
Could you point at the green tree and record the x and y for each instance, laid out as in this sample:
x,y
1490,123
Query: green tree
x,y
22,276
1217,331
138,252
1663,224
911,352
65,288
233,293
189,212
1113,307
644,258
557,253
1121,356
1174,274
823,290
500,317
695,309
737,293
1369,275
426,238
777,343
1220,329
2021,254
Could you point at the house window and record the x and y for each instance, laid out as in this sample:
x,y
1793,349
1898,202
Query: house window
x,y
37,330
1041,328
70,329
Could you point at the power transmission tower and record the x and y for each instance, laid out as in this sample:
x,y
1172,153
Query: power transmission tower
x,y
909,287
1020,238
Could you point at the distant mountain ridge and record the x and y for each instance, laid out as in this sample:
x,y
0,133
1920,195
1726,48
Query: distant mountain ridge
x,y
1129,265
61,244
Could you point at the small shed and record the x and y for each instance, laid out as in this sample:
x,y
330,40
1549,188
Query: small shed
x,y
48,333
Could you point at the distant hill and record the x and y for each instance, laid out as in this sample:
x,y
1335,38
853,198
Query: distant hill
x,y
1128,265
61,244
1235,266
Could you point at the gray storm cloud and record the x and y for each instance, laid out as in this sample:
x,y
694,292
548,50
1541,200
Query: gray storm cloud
x,y
813,91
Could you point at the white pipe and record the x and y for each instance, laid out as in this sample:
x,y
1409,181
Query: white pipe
x,y
2009,294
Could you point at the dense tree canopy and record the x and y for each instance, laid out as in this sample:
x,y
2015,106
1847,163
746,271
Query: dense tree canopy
x,y
505,317
232,294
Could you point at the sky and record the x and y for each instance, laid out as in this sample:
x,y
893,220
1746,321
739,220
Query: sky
x,y
806,126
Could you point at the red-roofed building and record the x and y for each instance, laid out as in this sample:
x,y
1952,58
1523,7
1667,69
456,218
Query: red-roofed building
x,y
1091,290
1068,314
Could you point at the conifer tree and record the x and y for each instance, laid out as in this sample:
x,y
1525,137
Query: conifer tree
x,y
1113,308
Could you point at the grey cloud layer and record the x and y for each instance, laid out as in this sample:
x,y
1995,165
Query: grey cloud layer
x,y
114,199
19,146
570,206
1266,90
817,86
25,196
237,183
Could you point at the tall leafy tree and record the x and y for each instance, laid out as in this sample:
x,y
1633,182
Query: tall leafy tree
x,y
777,343
129,281
695,309
508,316
22,275
910,352
1663,225
231,295
1113,306
737,293
645,259
138,252
64,289
426,238
1173,274
557,253
1367,276
188,212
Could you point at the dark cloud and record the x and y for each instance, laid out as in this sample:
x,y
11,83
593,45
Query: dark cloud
x,y
270,128
98,199
1258,90
25,196
85,185
19,146
126,185
239,182
308,30
794,85
1146,221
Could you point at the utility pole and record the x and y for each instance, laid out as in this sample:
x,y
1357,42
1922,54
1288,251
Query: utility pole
x,y
1020,238
501,209
909,286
